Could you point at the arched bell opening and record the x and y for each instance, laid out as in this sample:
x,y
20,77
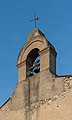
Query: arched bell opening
x,y
33,62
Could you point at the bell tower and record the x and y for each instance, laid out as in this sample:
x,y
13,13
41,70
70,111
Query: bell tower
x,y
37,84
37,55
40,94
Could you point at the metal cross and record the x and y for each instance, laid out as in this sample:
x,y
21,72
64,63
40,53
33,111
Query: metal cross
x,y
35,20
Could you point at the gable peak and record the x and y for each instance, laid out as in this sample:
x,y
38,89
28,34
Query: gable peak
x,y
34,33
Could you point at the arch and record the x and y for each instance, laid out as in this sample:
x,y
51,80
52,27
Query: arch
x,y
38,43
31,57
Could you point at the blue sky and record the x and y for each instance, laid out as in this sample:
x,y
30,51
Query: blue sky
x,y
55,23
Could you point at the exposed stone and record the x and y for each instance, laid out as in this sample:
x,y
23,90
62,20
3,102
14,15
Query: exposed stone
x,y
49,102
55,97
41,96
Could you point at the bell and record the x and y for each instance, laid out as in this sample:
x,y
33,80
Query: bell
x,y
36,69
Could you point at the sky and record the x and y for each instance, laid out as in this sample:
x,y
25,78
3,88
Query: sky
x,y
15,25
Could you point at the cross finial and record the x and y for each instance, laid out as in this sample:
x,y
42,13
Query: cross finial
x,y
35,20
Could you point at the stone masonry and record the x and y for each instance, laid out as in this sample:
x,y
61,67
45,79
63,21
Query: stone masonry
x,y
41,96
